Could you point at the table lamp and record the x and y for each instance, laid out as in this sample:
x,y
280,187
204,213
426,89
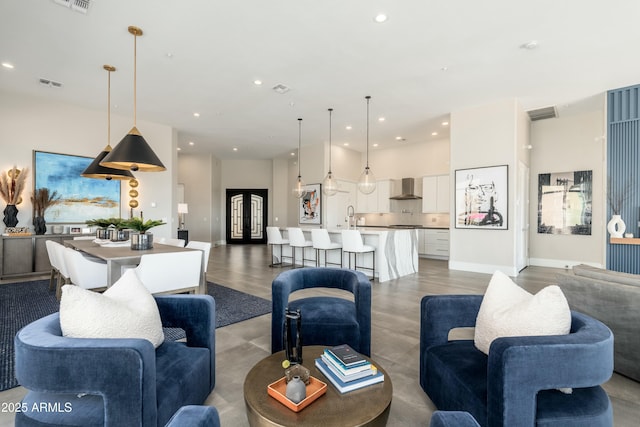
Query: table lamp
x,y
183,208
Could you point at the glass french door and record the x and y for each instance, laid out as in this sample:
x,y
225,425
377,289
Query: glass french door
x,y
246,215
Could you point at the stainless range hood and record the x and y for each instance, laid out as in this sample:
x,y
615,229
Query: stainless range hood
x,y
408,190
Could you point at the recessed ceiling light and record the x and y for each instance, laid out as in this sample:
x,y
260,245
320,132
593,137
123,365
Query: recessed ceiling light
x,y
445,68
196,114
381,119
346,144
445,123
434,133
293,154
398,138
257,82
529,45
7,65
380,18
179,149
191,143
169,55
348,127
235,148
375,145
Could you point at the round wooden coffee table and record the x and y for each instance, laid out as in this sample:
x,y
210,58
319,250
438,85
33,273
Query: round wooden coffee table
x,y
368,406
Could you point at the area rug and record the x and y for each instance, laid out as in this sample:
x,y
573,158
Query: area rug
x,y
22,303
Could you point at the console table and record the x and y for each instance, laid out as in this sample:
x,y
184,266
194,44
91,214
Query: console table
x,y
27,255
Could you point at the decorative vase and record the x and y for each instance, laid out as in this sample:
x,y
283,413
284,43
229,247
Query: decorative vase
x,y
141,241
616,226
292,339
120,235
39,225
296,390
101,233
10,216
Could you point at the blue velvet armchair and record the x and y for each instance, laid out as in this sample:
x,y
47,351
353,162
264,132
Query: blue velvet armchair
x,y
117,382
325,320
516,385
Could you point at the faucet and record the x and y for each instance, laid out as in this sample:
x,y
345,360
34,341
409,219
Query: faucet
x,y
351,213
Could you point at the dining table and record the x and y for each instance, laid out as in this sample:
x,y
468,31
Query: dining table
x,y
120,254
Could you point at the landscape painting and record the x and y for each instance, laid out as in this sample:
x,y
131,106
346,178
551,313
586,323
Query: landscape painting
x,y
564,202
80,198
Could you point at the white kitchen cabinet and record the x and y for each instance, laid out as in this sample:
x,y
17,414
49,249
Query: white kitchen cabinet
x,y
435,194
436,243
377,201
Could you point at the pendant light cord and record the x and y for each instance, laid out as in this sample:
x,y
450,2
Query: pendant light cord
x,y
367,98
135,77
299,142
330,112
109,108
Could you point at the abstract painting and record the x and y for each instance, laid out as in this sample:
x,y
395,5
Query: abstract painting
x,y
564,202
310,205
481,198
80,198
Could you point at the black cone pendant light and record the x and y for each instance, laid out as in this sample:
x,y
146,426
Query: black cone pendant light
x,y
133,152
95,170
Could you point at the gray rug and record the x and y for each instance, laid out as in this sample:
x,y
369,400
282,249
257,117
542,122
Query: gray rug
x,y
22,303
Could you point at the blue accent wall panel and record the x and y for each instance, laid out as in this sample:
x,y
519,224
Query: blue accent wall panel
x,y
623,171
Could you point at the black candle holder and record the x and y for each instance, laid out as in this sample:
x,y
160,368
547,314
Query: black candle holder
x,y
292,336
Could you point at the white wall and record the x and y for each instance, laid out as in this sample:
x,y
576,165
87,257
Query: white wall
x,y
486,136
411,160
567,144
196,174
33,123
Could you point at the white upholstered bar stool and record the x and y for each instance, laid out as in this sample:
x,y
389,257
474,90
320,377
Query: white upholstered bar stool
x,y
274,238
322,242
352,244
297,240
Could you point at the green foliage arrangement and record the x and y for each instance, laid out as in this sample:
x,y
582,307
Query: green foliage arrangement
x,y
141,225
106,223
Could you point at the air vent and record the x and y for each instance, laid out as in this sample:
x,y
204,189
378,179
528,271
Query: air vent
x,y
50,83
543,113
81,6
281,89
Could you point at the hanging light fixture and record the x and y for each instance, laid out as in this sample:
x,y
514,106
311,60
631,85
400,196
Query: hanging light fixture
x,y
330,184
133,152
298,189
367,182
95,170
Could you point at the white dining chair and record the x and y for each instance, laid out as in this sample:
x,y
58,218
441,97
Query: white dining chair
x,y
171,241
85,272
274,238
322,242
297,240
174,272
352,244
205,247
59,274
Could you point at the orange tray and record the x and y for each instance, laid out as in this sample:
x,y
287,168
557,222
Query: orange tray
x,y
315,389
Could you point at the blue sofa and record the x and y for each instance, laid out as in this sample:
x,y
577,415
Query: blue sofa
x,y
516,384
117,382
325,320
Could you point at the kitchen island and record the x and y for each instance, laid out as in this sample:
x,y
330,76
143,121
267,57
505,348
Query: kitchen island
x,y
396,251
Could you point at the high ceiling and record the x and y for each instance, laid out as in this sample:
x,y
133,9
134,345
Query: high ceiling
x,y
429,58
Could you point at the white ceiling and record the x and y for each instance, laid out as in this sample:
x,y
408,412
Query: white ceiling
x,y
428,59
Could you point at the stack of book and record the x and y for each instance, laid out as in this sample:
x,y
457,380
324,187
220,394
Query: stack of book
x,y
347,369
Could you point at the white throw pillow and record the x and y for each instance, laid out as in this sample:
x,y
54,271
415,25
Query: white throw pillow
x,y
507,310
125,310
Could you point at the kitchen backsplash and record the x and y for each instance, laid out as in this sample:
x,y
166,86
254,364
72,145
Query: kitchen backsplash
x,y
405,218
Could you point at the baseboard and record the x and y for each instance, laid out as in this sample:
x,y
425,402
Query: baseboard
x,y
559,263
482,268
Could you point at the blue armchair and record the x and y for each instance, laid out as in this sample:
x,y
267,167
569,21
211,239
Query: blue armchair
x,y
117,382
452,419
516,384
325,320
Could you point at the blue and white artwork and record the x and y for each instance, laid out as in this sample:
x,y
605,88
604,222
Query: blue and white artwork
x,y
80,198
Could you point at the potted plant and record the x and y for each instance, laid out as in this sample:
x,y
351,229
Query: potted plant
x,y
11,185
108,228
141,240
41,200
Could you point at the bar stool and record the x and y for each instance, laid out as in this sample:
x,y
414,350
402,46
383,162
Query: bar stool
x,y
322,242
297,240
274,238
352,244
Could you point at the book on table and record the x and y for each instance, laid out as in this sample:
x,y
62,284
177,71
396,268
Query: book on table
x,y
349,376
347,355
344,387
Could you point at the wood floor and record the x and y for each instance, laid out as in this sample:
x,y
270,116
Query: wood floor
x,y
395,334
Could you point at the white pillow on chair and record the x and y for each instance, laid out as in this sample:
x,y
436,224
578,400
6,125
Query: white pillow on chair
x,y
125,310
507,310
